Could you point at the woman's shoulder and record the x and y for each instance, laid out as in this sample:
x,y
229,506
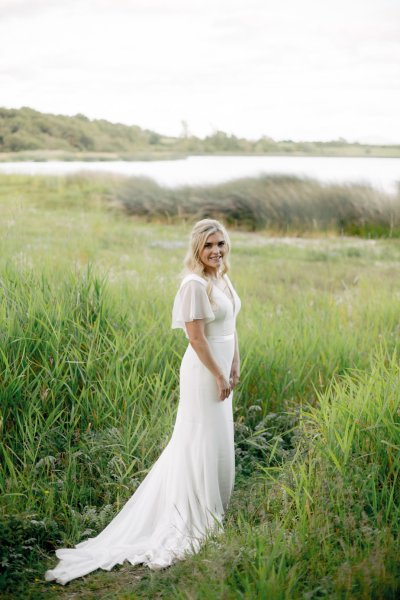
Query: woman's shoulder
x,y
193,277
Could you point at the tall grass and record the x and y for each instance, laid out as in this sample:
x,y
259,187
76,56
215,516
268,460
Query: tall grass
x,y
84,382
325,524
278,204
89,390
275,202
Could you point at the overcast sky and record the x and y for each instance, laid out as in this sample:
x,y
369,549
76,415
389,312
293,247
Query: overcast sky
x,y
298,69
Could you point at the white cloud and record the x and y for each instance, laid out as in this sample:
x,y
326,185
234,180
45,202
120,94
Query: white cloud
x,y
290,69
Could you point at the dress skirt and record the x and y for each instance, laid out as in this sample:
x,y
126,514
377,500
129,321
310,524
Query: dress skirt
x,y
186,492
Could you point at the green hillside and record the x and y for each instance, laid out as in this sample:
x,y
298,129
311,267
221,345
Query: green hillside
x,y
26,134
27,129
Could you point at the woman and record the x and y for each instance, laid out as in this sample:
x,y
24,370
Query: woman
x,y
185,494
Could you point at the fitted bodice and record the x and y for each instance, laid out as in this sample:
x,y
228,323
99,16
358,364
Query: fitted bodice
x,y
225,312
192,302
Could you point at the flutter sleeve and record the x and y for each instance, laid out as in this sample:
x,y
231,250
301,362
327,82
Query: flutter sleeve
x,y
191,302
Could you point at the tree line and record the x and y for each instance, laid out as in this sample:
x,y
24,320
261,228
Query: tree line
x,y
26,129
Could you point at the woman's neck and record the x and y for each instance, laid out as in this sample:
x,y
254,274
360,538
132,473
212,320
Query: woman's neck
x,y
216,276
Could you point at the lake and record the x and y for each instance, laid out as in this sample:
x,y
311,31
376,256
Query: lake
x,y
382,173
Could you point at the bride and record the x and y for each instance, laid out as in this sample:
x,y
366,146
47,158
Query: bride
x,y
185,494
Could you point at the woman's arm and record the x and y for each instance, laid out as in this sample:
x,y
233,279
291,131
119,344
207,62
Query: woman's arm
x,y
199,343
235,369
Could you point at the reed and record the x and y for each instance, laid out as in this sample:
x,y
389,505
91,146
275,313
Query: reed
x,y
281,205
89,390
275,202
324,524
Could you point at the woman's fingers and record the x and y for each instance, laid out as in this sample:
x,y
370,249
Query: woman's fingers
x,y
224,387
225,393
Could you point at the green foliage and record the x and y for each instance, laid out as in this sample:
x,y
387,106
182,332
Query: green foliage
x,y
27,129
27,134
89,390
338,498
23,542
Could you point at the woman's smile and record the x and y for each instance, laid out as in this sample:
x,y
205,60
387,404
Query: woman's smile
x,y
212,254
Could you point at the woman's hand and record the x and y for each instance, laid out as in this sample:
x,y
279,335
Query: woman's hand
x,y
234,377
224,388
199,343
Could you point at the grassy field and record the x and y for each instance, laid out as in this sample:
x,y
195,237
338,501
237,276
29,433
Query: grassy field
x,y
89,390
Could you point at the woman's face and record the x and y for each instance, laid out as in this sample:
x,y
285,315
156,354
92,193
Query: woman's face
x,y
213,251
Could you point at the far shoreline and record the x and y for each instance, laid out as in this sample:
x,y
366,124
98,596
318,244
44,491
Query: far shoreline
x,y
62,156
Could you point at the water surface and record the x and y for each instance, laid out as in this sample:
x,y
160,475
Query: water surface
x,y
382,173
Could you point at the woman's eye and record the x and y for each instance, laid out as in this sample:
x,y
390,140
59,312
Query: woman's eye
x,y
221,243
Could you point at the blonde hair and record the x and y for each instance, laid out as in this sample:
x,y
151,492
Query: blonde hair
x,y
198,237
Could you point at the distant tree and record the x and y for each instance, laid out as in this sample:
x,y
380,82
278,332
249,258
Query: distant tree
x,y
154,138
82,117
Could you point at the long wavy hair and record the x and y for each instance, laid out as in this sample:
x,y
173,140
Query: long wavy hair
x,y
198,237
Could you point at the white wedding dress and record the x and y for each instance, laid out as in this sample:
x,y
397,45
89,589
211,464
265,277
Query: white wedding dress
x,y
184,496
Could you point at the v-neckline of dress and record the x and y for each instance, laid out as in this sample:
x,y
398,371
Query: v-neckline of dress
x,y
232,297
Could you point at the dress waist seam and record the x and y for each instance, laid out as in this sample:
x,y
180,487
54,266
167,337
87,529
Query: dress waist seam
x,y
220,338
